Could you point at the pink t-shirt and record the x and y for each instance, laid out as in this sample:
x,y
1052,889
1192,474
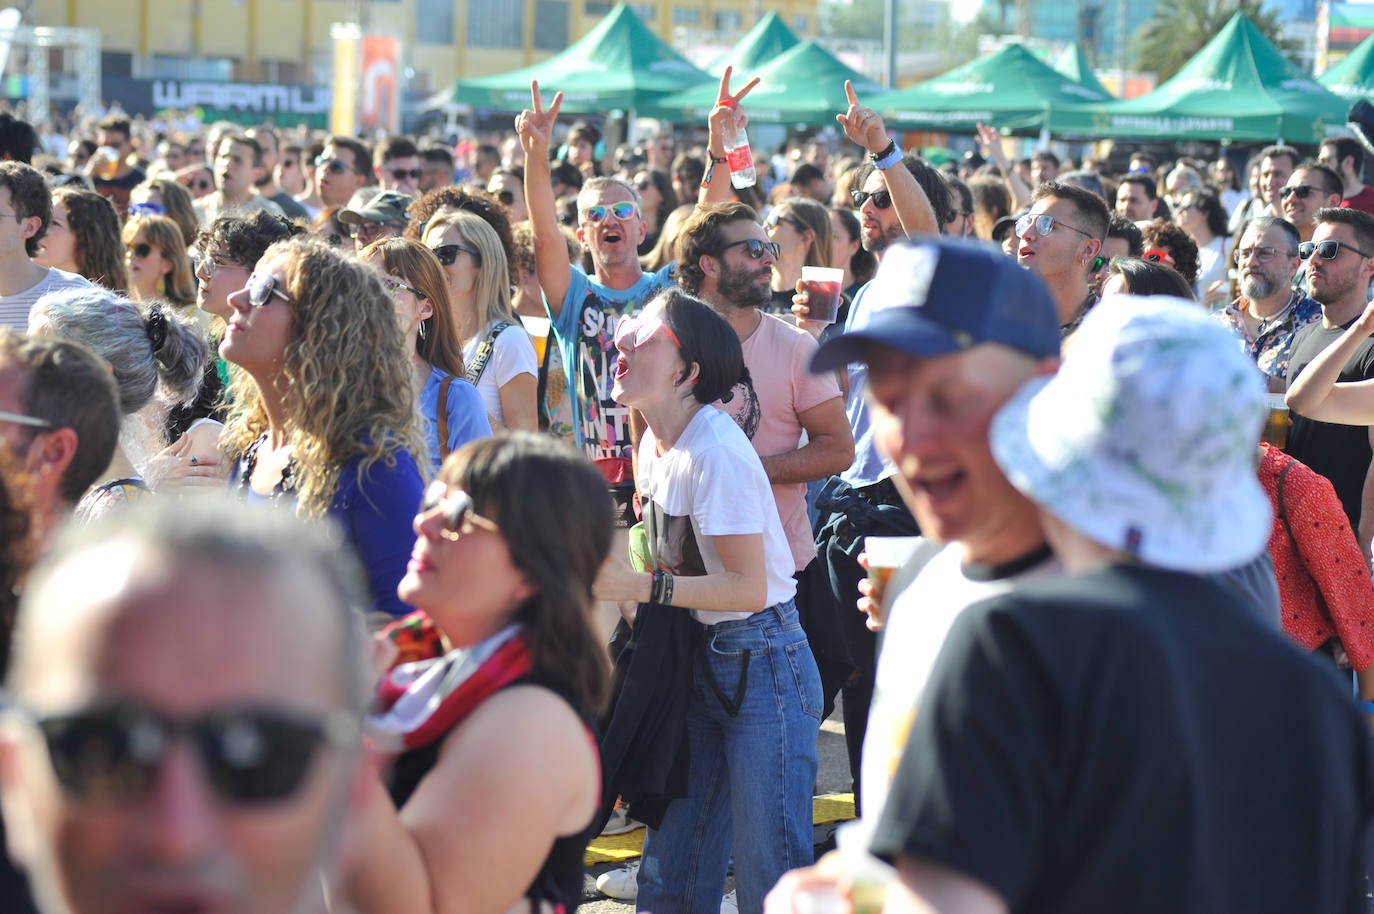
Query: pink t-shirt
x,y
778,356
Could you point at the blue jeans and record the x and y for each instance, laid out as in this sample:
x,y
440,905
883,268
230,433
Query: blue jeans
x,y
751,731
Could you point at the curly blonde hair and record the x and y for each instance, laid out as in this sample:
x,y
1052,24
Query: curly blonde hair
x,y
345,376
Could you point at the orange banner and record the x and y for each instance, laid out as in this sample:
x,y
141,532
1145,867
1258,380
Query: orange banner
x,y
379,90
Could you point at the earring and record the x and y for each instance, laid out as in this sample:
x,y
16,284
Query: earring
x,y
422,329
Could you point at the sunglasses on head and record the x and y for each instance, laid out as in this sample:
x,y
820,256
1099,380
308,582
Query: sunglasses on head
x,y
622,211
1326,250
881,199
333,166
634,332
396,286
456,510
400,174
754,248
249,755
448,253
146,209
261,288
774,220
1158,255
140,250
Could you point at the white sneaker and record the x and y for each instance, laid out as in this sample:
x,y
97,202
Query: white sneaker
x,y
621,884
729,904
620,823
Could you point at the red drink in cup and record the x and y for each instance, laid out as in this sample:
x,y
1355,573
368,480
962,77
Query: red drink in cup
x,y
822,286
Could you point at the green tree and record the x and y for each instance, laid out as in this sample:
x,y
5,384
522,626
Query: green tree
x,y
1179,29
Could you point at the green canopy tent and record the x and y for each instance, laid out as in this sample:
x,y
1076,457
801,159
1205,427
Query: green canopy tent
x,y
1073,63
1011,89
803,86
619,64
1238,87
765,41
1353,77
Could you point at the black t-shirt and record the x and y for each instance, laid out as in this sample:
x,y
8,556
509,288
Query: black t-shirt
x,y
1341,453
1132,740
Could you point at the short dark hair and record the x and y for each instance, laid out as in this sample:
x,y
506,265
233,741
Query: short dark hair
x,y
708,341
1092,209
1146,183
1044,155
489,152
806,173
964,192
1345,147
1121,227
71,387
1332,182
701,235
1144,277
1360,222
245,238
688,169
396,147
438,155
1085,179
566,173
29,196
362,156
18,139
243,139
1279,151
1262,224
926,175
117,124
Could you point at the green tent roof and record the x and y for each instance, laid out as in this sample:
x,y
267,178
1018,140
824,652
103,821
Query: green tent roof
x,y
618,64
1239,87
1073,63
802,86
1011,89
765,41
1353,77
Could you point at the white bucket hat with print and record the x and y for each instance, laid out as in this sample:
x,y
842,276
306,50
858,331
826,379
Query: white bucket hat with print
x,y
1146,439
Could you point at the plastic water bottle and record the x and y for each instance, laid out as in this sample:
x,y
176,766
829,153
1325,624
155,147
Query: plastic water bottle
x,y
740,158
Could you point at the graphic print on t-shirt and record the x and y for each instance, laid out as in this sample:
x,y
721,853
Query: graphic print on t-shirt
x,y
605,423
744,408
677,548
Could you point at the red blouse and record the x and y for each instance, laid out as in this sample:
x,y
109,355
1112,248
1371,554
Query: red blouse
x,y
1324,584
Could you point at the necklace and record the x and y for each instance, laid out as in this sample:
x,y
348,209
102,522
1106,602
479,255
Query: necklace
x,y
286,486
1250,309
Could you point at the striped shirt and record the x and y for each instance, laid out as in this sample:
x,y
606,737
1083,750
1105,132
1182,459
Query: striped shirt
x,y
14,309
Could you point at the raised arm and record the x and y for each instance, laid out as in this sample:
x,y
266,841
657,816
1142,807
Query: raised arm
x,y
1315,392
865,127
715,187
991,140
535,128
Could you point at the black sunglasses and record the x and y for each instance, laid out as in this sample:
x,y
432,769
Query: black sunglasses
x,y
881,198
1301,191
333,166
140,250
754,248
400,174
448,253
507,197
1326,250
250,755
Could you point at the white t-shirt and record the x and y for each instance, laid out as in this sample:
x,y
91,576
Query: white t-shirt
x,y
711,483
512,355
1212,264
917,623
14,309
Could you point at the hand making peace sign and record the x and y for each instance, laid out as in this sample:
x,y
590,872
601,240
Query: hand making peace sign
x,y
536,127
727,112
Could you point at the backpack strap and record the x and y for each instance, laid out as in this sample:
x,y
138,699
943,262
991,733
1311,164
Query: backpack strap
x,y
1283,510
484,351
443,415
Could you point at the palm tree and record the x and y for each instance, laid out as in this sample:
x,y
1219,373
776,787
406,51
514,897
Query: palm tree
x,y
1179,28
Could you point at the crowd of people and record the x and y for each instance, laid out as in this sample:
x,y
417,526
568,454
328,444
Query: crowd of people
x,y
379,524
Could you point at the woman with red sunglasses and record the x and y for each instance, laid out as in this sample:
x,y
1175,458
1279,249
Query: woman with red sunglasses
x,y
721,567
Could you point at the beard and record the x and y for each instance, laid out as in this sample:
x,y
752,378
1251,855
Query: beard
x,y
742,289
1258,286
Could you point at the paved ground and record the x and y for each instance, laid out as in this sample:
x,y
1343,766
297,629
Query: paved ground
x,y
832,778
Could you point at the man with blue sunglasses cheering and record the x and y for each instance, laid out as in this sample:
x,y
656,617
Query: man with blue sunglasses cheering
x,y
171,742
1340,264
585,310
